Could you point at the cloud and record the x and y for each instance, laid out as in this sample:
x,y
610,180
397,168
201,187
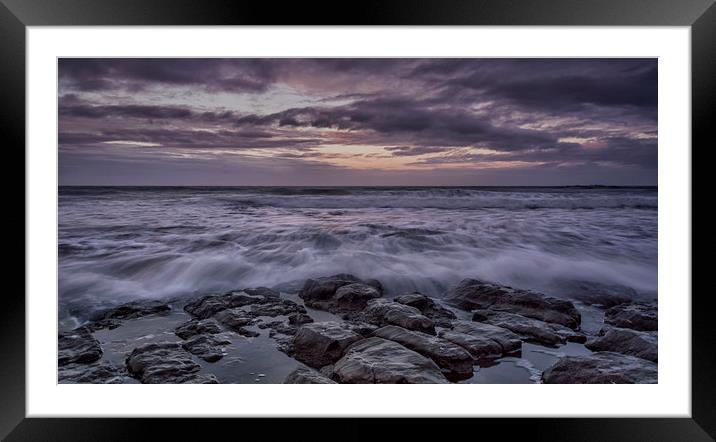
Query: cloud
x,y
416,114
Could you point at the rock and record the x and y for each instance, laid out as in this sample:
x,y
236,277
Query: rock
x,y
235,318
77,346
509,342
164,363
210,305
137,309
263,291
197,327
362,328
379,361
273,308
207,347
454,361
601,368
383,312
353,297
322,343
324,288
598,294
429,307
625,341
472,294
299,319
327,371
533,330
202,379
638,316
304,375
95,373
375,284
479,347
339,293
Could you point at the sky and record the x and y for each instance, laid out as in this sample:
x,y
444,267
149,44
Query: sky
x,y
357,121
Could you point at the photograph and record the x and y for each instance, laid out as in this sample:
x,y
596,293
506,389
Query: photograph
x,y
357,220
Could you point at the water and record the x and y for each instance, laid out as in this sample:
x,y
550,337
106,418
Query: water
x,y
124,243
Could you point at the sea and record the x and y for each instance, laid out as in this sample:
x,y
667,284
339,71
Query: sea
x,y
119,244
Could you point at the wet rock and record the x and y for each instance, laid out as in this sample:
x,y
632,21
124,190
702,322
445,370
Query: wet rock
x,y
508,341
362,328
235,318
625,341
382,312
210,305
533,330
322,343
208,347
327,371
380,361
454,361
598,294
601,368
202,379
321,289
339,293
375,284
304,375
299,319
164,363
638,316
354,296
197,327
95,373
440,315
263,291
273,308
472,294
113,318
78,346
478,346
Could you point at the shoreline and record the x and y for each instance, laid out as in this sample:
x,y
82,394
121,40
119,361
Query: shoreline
x,y
326,331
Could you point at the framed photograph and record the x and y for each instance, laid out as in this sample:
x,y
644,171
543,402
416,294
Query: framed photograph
x,y
233,211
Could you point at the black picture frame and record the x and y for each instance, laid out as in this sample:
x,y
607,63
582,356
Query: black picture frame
x,y
16,15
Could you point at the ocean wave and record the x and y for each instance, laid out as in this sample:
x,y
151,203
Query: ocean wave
x,y
142,244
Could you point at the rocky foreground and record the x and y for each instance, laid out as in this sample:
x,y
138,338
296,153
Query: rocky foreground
x,y
371,338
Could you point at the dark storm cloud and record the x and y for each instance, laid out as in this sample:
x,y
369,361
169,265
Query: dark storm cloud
x,y
598,113
92,74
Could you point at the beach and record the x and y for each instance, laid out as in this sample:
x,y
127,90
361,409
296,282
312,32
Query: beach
x,y
238,283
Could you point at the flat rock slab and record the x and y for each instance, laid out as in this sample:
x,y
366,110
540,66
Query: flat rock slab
x,y
165,363
637,316
509,342
197,327
382,312
304,375
479,347
339,293
95,373
322,343
207,306
629,342
601,368
529,329
429,307
132,310
455,362
472,294
78,346
208,347
235,319
380,361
